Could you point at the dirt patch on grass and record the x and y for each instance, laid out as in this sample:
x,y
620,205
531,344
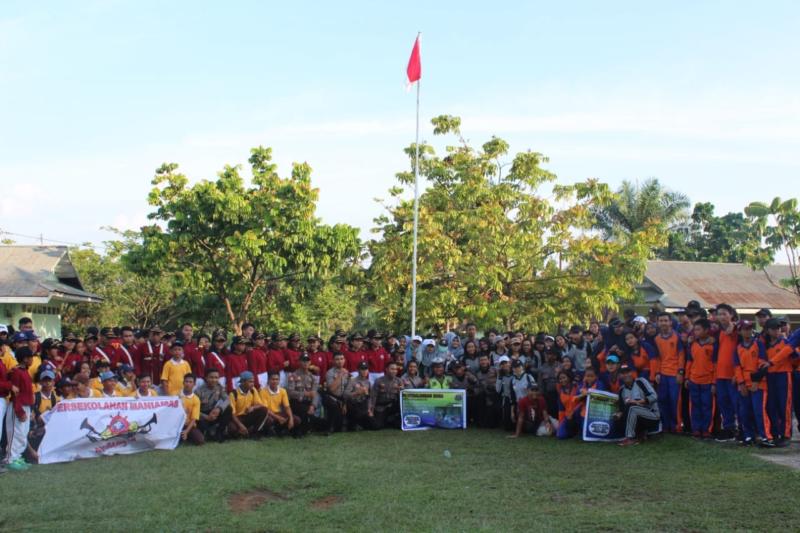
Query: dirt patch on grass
x,y
325,503
241,502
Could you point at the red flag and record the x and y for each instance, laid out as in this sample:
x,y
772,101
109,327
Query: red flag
x,y
414,69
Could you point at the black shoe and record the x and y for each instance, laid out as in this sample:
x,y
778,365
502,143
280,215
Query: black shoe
x,y
769,443
746,442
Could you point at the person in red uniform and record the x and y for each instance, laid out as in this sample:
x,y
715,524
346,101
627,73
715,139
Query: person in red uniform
x,y
151,355
667,370
750,363
354,354
292,353
216,355
701,368
236,362
105,351
125,352
191,352
18,419
276,362
318,358
727,395
257,361
376,355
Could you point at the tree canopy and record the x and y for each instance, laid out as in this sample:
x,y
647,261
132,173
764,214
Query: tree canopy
x,y
707,237
247,245
777,227
497,248
639,206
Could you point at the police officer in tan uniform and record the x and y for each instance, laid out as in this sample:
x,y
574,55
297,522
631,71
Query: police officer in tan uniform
x,y
357,395
302,390
384,399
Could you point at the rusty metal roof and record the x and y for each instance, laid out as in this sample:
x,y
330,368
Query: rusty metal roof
x,y
678,282
39,274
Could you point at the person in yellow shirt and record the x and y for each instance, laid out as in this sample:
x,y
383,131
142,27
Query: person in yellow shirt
x,y
174,370
109,380
126,385
249,416
35,346
43,400
101,367
191,404
83,389
277,401
7,357
144,387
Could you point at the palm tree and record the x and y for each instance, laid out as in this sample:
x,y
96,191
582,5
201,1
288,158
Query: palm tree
x,y
639,206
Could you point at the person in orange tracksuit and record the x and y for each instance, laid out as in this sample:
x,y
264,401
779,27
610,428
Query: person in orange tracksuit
x,y
667,371
568,406
701,367
749,364
779,382
726,394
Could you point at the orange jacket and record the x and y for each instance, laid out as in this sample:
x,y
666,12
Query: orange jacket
x,y
702,362
779,356
670,357
726,353
746,360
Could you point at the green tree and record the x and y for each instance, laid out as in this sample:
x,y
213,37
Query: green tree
x,y
707,237
637,207
128,298
778,231
494,248
242,244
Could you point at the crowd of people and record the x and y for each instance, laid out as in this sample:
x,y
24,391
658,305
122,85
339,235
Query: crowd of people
x,y
695,371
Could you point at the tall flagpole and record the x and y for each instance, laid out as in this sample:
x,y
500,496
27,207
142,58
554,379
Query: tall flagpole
x,y
416,222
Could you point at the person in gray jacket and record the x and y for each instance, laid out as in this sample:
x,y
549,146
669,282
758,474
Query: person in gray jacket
x,y
638,407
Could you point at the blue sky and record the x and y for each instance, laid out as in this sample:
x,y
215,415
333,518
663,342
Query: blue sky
x,y
96,94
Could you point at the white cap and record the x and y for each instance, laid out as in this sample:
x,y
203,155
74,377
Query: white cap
x,y
3,327
416,338
639,320
429,342
504,359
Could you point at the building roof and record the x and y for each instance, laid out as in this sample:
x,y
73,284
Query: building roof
x,y
675,283
40,275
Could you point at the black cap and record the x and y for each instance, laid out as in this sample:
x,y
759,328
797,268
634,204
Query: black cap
x,y
576,329
155,329
625,368
312,338
294,337
363,365
305,357
108,333
516,363
259,336
772,323
90,336
764,312
783,320
177,343
615,323
238,339
278,337
693,304
220,336
356,337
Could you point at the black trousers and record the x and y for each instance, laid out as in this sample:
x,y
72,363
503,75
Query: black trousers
x,y
334,412
357,415
216,430
300,410
386,416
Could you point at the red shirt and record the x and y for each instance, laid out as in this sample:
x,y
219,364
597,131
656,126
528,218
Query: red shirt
x,y
377,360
5,385
257,364
149,360
533,410
21,378
320,360
293,356
124,355
353,359
235,364
275,360
216,360
194,356
72,363
105,353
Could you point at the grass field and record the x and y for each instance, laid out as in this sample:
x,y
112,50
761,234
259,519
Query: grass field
x,y
393,481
